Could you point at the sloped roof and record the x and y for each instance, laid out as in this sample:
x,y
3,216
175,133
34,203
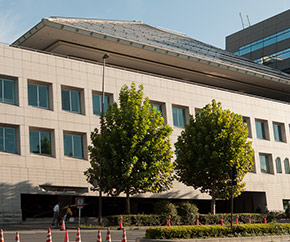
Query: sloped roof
x,y
139,32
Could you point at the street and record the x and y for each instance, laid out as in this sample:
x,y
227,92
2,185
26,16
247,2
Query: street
x,y
58,236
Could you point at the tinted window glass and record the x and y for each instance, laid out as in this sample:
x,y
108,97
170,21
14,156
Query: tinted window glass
x,y
43,96
260,129
278,165
264,164
97,104
32,95
65,95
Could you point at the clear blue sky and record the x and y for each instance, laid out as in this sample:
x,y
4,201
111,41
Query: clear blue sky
x,y
205,20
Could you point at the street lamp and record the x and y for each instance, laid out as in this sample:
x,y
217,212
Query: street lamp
x,y
106,56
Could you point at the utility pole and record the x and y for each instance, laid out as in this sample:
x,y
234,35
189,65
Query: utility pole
x,y
102,128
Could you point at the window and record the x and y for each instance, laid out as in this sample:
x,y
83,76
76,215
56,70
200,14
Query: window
x,y
71,101
8,139
278,165
7,91
261,129
246,120
97,104
157,106
38,96
264,163
40,142
279,132
178,117
73,145
286,166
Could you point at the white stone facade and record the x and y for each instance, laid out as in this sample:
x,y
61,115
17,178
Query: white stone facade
x,y
22,173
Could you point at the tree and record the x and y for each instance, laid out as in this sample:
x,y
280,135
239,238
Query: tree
x,y
212,143
134,150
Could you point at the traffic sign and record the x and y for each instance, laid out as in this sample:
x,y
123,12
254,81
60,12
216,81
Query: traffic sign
x,y
80,202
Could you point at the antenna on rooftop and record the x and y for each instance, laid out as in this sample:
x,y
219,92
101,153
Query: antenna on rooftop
x,y
243,23
242,20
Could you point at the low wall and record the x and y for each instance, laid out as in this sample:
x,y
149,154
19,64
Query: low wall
x,y
276,238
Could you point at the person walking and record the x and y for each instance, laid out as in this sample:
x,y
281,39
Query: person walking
x,y
56,215
68,213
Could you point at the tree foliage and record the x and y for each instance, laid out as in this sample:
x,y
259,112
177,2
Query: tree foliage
x,y
212,143
134,150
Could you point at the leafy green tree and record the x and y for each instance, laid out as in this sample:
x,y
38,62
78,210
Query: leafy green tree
x,y
212,143
134,150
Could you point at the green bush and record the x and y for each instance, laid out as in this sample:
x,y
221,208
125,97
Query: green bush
x,y
188,212
206,231
186,219
166,208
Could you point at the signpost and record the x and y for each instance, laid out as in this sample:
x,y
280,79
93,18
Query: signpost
x,y
80,203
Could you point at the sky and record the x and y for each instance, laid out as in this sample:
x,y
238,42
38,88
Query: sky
x,y
209,21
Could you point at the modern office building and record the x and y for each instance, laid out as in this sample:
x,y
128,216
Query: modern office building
x,y
50,87
267,42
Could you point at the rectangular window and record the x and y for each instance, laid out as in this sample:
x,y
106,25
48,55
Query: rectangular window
x,y
7,91
260,129
40,142
264,163
38,96
246,120
178,117
279,132
278,165
97,104
73,145
157,106
8,139
71,101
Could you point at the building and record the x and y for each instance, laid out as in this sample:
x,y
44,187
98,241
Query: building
x,y
266,42
50,85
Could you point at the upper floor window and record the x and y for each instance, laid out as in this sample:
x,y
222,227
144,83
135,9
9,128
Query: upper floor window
x,y
7,91
246,120
261,129
286,166
97,103
278,165
8,139
157,106
264,163
40,142
71,100
178,117
279,134
73,145
38,95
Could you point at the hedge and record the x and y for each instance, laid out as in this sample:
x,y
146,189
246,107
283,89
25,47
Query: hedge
x,y
204,219
206,231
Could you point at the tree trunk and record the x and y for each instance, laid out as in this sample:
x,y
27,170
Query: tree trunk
x,y
213,205
128,203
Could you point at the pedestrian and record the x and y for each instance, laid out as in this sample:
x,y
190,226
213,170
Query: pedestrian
x,y
68,213
56,215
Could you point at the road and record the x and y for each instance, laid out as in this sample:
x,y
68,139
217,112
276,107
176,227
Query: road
x,y
58,236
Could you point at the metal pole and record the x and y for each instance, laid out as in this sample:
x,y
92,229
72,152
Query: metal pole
x,y
232,206
102,127
79,217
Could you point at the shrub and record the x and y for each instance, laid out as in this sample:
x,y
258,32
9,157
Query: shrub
x,y
205,231
166,208
188,212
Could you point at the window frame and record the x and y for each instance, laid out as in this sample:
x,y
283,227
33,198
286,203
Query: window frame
x,y
185,116
247,121
99,94
15,90
269,163
83,145
278,165
39,84
81,103
51,138
16,136
282,131
266,129
162,108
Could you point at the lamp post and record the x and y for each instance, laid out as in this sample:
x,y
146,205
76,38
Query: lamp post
x,y
102,128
